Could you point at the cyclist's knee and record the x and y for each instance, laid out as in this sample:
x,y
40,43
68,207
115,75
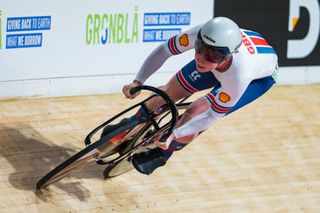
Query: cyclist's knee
x,y
166,88
186,116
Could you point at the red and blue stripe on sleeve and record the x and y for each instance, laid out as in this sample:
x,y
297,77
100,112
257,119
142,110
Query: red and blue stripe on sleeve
x,y
186,85
216,107
173,46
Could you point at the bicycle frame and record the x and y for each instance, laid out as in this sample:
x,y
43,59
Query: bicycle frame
x,y
135,129
146,141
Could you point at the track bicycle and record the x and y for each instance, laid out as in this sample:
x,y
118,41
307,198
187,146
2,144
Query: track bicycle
x,y
114,149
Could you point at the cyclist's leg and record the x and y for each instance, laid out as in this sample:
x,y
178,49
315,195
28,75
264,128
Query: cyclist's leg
x,y
188,80
193,81
147,162
173,88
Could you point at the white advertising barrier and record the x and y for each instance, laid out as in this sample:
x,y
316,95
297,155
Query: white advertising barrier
x,y
87,47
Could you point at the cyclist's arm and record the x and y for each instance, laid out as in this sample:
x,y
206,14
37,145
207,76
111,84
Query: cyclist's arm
x,y
174,46
197,124
219,104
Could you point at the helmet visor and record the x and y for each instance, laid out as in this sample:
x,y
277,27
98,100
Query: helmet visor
x,y
212,54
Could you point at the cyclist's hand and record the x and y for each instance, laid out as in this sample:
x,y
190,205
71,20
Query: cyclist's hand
x,y
164,145
126,89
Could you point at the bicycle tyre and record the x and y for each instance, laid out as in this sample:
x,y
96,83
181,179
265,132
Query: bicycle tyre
x,y
63,169
124,165
116,169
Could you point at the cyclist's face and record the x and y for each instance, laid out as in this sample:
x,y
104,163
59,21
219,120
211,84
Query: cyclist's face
x,y
208,57
202,64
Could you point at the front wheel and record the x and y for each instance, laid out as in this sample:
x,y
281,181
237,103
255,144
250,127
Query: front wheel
x,y
124,165
118,168
87,155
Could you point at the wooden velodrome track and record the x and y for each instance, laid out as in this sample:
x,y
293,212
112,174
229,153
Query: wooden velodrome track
x,y
264,158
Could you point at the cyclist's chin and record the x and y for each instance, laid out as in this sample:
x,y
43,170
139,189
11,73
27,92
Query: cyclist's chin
x,y
205,68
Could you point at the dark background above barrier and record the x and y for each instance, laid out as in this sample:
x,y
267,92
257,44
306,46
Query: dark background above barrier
x,y
271,19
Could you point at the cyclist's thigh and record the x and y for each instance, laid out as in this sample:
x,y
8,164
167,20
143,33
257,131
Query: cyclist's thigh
x,y
193,81
188,81
175,90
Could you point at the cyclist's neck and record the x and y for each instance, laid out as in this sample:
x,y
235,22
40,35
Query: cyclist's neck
x,y
224,65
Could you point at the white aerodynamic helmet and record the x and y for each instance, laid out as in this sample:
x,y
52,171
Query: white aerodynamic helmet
x,y
218,38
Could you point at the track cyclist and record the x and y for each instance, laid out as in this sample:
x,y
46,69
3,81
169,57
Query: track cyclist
x,y
237,64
